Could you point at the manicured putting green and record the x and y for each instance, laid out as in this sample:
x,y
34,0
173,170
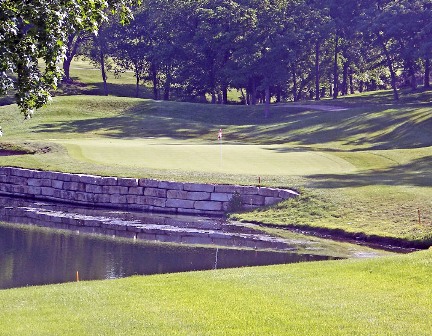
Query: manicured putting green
x,y
163,154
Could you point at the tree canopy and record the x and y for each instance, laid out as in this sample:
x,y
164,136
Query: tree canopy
x,y
33,39
292,49
267,49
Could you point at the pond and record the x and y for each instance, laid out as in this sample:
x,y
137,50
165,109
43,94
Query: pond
x,y
105,244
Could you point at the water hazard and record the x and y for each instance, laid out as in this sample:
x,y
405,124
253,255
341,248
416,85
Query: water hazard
x,y
30,255
36,257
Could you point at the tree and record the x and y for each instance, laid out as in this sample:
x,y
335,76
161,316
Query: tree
x,y
73,44
33,39
130,48
96,50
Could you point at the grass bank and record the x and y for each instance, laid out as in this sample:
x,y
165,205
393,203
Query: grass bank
x,y
388,295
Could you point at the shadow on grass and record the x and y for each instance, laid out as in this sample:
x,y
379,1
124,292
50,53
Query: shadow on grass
x,y
372,128
147,119
406,96
75,87
417,173
7,100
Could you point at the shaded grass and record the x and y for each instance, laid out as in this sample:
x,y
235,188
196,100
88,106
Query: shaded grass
x,y
389,295
358,128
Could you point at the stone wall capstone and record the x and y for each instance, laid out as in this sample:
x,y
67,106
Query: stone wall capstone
x,y
134,194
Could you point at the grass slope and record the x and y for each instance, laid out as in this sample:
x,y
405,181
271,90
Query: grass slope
x,y
384,296
365,169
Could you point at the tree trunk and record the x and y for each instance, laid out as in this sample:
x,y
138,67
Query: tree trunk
x,y
267,102
74,40
335,70
247,97
317,70
427,73
219,98
323,92
330,87
167,85
412,75
224,95
66,69
294,78
154,81
137,83
243,96
391,69
103,72
351,81
278,94
345,78
167,91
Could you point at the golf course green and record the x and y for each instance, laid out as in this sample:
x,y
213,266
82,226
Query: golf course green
x,y
163,154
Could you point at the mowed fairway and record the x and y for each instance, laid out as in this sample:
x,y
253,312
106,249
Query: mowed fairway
x,y
210,157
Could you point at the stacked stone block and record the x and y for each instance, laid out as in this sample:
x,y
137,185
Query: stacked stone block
x,y
134,194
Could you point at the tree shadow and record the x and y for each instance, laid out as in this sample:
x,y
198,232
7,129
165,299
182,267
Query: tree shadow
x,y
75,87
356,127
383,127
416,173
141,121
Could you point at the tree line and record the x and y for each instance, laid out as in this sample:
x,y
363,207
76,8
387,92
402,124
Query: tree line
x,y
269,49
191,49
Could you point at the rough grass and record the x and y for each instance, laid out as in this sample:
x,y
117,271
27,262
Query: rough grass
x,y
382,296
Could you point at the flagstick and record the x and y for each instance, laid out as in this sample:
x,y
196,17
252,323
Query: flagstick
x,y
220,147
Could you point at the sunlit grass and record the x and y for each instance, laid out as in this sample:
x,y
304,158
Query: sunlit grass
x,y
381,296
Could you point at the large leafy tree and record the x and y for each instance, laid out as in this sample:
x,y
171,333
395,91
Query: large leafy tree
x,y
130,48
33,40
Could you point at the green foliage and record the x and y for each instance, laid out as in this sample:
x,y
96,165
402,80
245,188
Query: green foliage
x,y
31,31
285,49
192,50
235,203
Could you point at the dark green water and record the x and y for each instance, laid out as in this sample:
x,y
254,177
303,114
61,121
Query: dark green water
x,y
36,257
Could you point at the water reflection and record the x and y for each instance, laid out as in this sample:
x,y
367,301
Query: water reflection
x,y
136,225
37,257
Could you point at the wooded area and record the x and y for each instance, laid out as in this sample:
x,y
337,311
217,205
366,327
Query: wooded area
x,y
285,49
267,49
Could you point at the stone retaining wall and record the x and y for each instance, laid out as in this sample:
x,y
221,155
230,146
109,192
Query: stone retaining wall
x,y
132,193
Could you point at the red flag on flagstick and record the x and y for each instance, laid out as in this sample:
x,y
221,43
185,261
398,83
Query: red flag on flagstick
x,y
220,134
